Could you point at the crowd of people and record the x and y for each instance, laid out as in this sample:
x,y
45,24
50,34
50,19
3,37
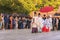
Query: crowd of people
x,y
36,23
14,22
45,23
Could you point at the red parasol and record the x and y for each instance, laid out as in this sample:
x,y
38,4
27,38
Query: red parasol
x,y
47,9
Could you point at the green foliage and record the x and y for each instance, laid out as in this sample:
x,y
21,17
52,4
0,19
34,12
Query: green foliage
x,y
26,6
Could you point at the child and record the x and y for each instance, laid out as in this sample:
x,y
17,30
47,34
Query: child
x,y
34,27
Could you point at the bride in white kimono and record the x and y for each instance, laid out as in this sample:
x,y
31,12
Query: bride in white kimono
x,y
39,23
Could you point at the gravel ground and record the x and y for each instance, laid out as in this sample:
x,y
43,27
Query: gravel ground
x,y
25,34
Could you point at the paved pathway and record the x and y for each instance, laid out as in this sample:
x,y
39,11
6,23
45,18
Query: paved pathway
x,y
25,34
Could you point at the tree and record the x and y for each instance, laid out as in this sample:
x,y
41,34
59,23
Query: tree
x,y
26,6
5,6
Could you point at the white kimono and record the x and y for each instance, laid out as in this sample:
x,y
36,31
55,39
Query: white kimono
x,y
39,23
35,20
50,19
44,22
48,23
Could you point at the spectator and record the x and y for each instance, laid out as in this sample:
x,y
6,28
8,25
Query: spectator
x,y
59,24
13,23
16,22
24,22
0,22
54,23
57,21
11,19
28,25
6,21
20,23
